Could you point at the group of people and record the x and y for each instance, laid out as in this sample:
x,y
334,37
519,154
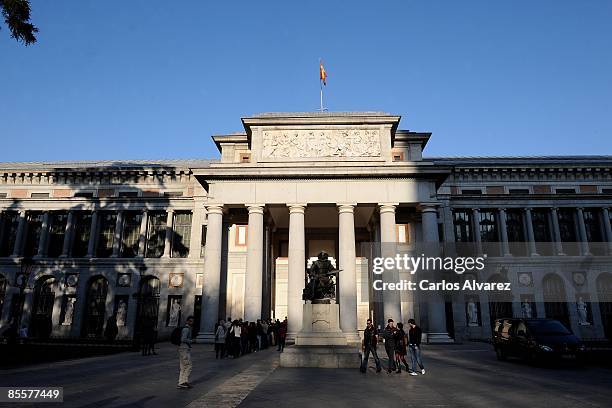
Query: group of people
x,y
398,343
236,338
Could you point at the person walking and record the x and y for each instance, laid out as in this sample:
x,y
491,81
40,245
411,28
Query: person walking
x,y
389,337
414,344
370,340
401,341
220,340
184,352
282,334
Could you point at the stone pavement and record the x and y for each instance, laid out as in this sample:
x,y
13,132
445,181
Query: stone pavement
x,y
457,375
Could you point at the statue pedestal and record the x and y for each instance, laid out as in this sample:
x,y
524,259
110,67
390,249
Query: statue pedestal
x,y
320,343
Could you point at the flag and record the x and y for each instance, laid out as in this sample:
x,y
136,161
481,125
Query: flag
x,y
322,74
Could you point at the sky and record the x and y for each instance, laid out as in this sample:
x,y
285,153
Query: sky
x,y
151,79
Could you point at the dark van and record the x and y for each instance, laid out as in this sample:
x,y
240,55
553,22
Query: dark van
x,y
535,340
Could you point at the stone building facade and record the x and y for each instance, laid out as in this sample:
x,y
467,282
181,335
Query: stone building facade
x,y
151,242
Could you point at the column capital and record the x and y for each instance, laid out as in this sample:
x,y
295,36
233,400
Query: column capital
x,y
387,207
214,209
554,208
475,209
428,207
296,208
346,208
255,208
501,209
579,208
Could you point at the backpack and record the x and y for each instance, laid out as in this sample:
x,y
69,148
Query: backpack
x,y
175,337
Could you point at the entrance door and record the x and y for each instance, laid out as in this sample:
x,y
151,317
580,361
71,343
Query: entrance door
x,y
604,294
555,300
148,306
41,324
95,308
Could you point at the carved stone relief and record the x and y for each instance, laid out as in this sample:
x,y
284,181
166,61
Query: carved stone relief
x,y
321,143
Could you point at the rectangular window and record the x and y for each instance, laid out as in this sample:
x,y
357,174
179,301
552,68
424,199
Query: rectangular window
x,y
106,234
156,234
57,232
603,190
245,157
33,230
516,232
3,195
9,221
401,233
39,195
173,194
181,237
128,194
565,191
241,235
462,223
489,232
203,244
567,229
518,191
84,194
541,231
130,236
398,156
594,230
471,191
82,230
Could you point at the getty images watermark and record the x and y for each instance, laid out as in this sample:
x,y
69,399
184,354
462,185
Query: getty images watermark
x,y
405,263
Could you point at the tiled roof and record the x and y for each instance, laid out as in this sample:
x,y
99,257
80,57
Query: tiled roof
x,y
522,160
115,164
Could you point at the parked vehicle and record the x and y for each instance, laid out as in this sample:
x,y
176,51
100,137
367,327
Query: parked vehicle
x,y
536,340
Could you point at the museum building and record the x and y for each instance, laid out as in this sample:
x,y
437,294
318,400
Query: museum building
x,y
150,242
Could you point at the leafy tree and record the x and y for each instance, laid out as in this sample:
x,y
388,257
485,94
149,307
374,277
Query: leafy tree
x,y
16,15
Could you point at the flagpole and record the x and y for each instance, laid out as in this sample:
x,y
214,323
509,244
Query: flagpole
x,y
321,86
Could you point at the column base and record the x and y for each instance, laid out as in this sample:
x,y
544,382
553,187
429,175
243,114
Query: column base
x,y
320,357
352,338
205,338
439,338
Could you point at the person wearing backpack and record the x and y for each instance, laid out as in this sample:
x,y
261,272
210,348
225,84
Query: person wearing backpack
x,y
220,340
184,352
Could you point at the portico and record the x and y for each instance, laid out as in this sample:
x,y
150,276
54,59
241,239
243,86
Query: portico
x,y
316,181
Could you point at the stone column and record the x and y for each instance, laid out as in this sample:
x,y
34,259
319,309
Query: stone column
x,y
530,237
436,308
606,220
212,274
17,249
93,234
476,223
254,264
504,232
388,241
118,233
347,279
584,241
44,232
558,245
68,235
169,233
296,266
2,221
142,238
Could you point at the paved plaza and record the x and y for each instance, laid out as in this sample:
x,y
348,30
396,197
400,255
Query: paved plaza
x,y
457,375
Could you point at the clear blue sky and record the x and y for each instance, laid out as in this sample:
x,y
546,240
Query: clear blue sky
x,y
154,79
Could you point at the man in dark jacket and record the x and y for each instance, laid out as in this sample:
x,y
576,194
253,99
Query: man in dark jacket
x,y
414,343
388,336
370,340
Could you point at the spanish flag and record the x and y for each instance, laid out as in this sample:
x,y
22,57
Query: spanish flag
x,y
322,73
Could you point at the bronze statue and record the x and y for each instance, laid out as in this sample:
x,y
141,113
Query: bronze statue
x,y
321,285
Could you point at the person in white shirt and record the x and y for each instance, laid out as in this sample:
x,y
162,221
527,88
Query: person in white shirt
x,y
184,351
